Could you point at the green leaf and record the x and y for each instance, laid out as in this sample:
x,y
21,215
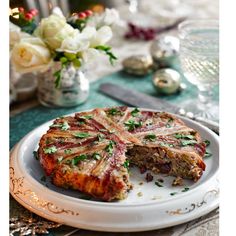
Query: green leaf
x,y
131,124
109,147
188,142
86,117
151,137
101,137
50,150
57,75
82,135
67,151
96,156
158,184
126,164
76,159
166,144
65,126
207,142
207,154
185,189
174,193
135,112
107,51
184,136
114,111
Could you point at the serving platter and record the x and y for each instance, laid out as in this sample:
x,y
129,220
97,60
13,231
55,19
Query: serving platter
x,y
150,205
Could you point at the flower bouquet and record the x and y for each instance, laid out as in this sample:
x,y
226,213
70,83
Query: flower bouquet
x,y
60,46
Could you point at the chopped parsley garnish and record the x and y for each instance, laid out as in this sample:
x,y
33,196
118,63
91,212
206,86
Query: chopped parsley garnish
x,y
168,125
96,156
207,142
82,135
207,154
184,136
63,126
126,164
43,178
185,189
101,137
151,137
35,153
109,147
131,124
86,117
188,142
59,159
114,111
174,193
67,151
50,150
166,144
158,184
76,159
135,112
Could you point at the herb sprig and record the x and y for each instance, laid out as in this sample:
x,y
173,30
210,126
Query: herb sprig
x,y
151,137
132,125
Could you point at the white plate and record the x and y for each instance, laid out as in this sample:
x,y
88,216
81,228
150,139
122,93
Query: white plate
x,y
155,209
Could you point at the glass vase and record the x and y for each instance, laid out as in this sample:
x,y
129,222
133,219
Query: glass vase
x,y
72,91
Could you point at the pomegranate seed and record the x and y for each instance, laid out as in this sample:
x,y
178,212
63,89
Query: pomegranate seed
x,y
82,15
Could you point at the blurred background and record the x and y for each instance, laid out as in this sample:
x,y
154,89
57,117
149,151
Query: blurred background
x,y
147,14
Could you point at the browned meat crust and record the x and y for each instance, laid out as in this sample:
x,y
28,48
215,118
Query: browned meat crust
x,y
88,152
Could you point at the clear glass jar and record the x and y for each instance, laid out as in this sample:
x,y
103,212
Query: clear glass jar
x,y
73,89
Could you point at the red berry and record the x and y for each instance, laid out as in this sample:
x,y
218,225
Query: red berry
x,y
88,13
82,15
28,16
21,9
33,12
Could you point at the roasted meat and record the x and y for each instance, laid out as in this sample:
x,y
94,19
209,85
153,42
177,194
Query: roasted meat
x,y
90,151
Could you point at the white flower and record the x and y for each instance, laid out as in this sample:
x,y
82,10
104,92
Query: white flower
x,y
75,43
98,37
89,55
53,30
30,54
109,17
58,12
14,34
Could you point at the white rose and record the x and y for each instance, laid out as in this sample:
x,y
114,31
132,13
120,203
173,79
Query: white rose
x,y
75,43
30,55
98,37
53,30
14,34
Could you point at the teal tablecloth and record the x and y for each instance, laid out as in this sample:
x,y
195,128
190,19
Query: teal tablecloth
x,y
24,122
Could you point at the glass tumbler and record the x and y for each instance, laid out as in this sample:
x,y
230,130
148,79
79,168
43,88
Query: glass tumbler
x,y
199,57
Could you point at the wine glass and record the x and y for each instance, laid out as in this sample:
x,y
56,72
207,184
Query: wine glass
x,y
199,56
